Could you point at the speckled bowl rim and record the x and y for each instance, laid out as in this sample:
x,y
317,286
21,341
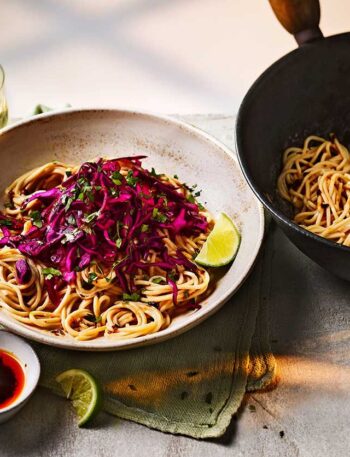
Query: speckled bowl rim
x,y
193,319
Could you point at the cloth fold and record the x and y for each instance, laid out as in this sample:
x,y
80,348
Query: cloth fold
x,y
192,384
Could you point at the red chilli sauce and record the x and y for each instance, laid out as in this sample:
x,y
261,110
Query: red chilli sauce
x,y
11,379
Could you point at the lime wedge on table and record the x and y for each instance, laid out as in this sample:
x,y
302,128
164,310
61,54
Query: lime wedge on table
x,y
222,244
83,391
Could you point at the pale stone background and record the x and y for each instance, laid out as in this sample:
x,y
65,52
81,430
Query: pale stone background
x,y
182,56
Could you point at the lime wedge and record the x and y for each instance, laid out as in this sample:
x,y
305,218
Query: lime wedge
x,y
222,244
83,391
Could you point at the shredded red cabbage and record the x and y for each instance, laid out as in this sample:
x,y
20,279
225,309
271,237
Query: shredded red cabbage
x,y
99,215
23,271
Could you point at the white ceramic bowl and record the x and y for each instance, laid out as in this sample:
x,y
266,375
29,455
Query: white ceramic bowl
x,y
172,147
31,367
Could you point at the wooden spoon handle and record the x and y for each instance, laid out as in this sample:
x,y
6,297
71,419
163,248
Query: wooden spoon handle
x,y
301,18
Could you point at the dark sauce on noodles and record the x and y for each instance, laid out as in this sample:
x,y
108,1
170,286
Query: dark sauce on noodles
x,y
11,379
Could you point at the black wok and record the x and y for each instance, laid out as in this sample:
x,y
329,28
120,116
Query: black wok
x,y
306,92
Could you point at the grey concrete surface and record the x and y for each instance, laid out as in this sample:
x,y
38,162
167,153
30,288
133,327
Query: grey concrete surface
x,y
306,415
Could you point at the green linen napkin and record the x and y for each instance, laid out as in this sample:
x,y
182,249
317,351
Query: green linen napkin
x,y
192,384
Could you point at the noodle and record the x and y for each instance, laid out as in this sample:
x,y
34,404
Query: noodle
x,y
87,309
315,179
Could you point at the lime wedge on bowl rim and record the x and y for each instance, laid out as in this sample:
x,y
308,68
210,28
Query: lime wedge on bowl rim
x,y
83,391
221,245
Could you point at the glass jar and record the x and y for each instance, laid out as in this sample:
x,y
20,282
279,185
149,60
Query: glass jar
x,y
3,103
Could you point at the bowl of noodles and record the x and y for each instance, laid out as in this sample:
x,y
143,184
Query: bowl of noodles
x,y
104,212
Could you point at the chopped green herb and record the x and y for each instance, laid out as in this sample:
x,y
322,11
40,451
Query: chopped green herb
x,y
91,217
92,277
176,177
192,189
81,181
200,206
67,201
68,173
131,297
36,218
114,192
161,218
131,179
191,198
153,172
144,228
117,178
94,319
158,216
6,222
68,204
158,280
118,241
9,205
49,273
84,189
87,187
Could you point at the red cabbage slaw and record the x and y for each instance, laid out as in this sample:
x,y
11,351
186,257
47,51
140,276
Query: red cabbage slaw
x,y
101,215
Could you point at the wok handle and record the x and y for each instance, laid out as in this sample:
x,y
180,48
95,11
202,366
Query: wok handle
x,y
301,18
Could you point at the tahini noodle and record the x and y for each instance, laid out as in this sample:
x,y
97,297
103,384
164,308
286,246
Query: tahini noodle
x,y
315,179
